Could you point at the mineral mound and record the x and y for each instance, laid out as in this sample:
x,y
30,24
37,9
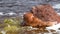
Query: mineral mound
x,y
41,15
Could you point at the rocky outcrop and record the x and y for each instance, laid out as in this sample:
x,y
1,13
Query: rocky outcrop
x,y
41,15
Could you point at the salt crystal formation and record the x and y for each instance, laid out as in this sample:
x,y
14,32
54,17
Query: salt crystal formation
x,y
41,15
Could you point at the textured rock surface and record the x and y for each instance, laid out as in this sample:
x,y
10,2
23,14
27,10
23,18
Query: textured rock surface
x,y
45,12
41,15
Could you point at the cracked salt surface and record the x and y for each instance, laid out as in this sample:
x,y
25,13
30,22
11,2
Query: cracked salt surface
x,y
54,27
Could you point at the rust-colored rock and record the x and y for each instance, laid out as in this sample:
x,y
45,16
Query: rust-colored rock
x,y
45,12
41,15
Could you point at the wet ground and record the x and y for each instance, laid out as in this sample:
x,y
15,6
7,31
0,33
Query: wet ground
x,y
18,7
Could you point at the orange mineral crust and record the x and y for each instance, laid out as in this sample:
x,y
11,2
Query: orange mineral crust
x,y
41,15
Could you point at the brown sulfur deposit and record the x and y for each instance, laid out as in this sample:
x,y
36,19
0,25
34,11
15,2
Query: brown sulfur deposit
x,y
41,15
